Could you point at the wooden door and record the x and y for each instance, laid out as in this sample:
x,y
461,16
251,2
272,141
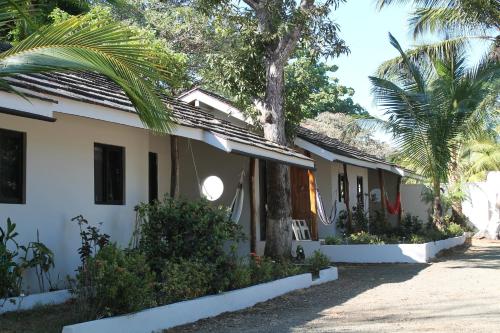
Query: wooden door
x,y
304,198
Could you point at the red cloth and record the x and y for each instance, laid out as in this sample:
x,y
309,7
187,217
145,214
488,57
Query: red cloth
x,y
393,209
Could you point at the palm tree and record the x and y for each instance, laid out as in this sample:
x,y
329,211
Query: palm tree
x,y
430,103
459,20
79,44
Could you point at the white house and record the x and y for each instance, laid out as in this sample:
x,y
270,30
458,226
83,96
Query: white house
x,y
368,177
76,146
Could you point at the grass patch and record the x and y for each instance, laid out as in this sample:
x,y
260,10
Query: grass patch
x,y
43,319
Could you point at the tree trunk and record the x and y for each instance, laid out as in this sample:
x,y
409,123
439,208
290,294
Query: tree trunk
x,y
279,229
454,182
437,216
174,171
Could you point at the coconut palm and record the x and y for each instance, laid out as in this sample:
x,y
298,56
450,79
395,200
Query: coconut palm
x,y
429,104
80,44
459,20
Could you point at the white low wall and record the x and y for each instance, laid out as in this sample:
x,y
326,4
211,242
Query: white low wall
x,y
168,316
30,301
326,275
389,253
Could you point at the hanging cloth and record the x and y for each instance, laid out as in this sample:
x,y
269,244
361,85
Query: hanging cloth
x,y
321,209
237,203
395,208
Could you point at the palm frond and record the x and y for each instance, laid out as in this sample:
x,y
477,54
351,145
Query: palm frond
x,y
422,53
110,49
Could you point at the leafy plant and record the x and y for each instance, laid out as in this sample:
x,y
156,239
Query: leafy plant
x,y
334,240
185,229
114,281
317,262
363,237
184,279
92,240
10,273
39,257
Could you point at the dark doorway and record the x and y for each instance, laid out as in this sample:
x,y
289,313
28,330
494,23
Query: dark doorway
x,y
153,177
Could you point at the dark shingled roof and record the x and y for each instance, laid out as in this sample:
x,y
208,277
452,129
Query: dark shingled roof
x,y
97,89
330,144
338,147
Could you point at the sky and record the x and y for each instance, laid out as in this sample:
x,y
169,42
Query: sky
x,y
365,30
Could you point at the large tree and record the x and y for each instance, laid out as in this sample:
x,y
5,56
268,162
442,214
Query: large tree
x,y
431,103
269,31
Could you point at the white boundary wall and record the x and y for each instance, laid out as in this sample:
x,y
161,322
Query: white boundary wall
x,y
30,301
168,316
389,253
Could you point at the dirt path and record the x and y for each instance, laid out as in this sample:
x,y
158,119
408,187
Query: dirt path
x,y
460,293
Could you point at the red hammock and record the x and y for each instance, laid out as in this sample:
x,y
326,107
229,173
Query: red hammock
x,y
393,209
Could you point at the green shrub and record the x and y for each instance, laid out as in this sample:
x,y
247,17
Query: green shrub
x,y
417,239
114,282
410,225
334,240
286,268
262,269
184,279
359,219
454,230
364,238
317,262
182,229
10,272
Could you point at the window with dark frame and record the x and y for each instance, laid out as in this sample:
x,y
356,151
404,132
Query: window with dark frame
x,y
12,166
341,185
153,177
109,174
359,191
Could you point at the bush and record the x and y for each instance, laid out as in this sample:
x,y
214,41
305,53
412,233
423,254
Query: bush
x,y
317,262
184,279
181,229
10,273
334,240
454,230
364,238
410,225
114,282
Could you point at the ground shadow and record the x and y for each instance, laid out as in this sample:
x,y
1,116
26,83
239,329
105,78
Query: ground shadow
x,y
286,312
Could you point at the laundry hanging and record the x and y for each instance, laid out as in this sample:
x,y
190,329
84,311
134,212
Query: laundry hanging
x,y
237,203
321,209
395,208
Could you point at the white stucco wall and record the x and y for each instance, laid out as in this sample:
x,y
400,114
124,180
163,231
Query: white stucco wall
x,y
327,179
482,204
412,203
60,182
212,162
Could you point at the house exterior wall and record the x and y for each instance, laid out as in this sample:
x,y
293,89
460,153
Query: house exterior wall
x,y
327,179
60,182
390,187
412,203
213,162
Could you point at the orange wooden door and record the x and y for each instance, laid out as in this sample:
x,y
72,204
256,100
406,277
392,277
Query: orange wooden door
x,y
303,199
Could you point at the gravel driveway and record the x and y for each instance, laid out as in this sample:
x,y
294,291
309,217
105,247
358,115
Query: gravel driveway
x,y
458,293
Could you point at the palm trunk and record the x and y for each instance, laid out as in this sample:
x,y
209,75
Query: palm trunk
x,y
279,230
454,182
437,216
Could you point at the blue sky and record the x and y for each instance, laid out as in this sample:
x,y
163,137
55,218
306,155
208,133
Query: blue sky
x,y
365,29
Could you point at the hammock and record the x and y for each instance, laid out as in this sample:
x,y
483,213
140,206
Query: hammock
x,y
237,203
321,209
395,208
